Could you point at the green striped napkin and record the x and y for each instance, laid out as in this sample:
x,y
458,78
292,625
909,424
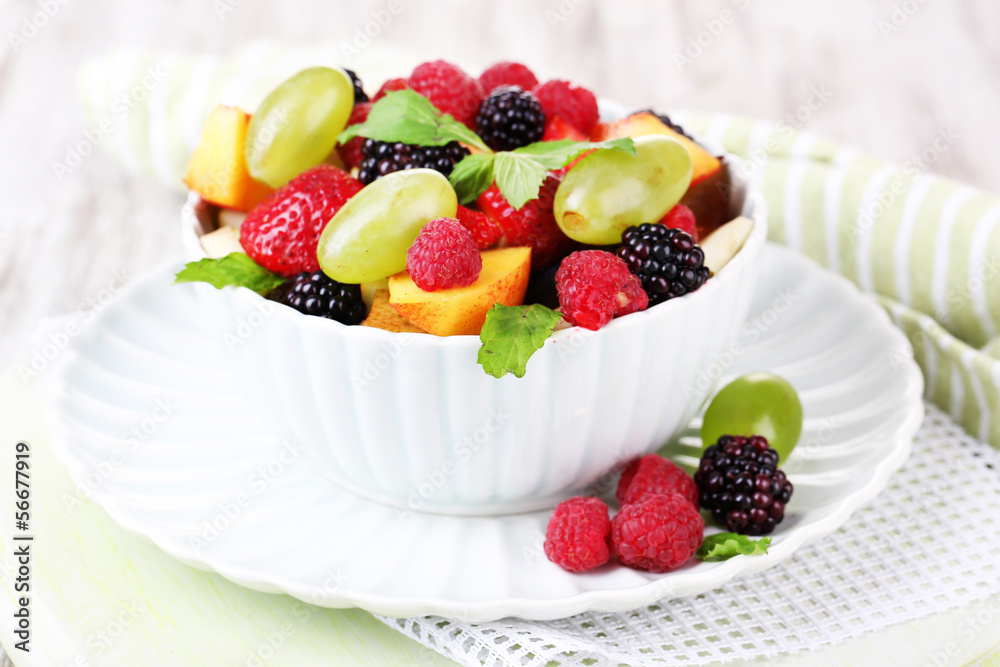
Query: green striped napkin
x,y
928,247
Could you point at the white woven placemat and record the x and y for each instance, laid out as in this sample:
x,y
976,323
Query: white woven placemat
x,y
929,543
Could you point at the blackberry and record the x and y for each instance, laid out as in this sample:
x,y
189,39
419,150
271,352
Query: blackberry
x,y
510,118
739,481
316,294
381,158
665,119
668,261
359,91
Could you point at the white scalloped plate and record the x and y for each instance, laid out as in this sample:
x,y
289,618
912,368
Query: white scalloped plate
x,y
151,426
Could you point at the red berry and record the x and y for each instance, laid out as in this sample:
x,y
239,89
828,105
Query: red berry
x,y
682,218
576,538
507,74
443,255
534,224
350,152
282,232
658,533
448,88
389,86
655,474
575,104
594,286
557,129
483,230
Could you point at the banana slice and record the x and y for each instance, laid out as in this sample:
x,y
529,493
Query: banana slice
x,y
230,218
722,245
221,242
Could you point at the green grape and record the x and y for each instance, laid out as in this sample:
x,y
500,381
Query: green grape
x,y
609,191
758,403
368,238
297,124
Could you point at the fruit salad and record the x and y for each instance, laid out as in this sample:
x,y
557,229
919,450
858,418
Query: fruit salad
x,y
446,204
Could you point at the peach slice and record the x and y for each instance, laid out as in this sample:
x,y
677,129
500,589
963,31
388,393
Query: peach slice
x,y
218,169
384,316
462,310
643,123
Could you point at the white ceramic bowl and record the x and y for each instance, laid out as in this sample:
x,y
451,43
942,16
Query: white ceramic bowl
x,y
860,390
413,420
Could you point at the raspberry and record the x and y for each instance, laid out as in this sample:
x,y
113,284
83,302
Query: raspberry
x,y
448,88
282,232
655,474
443,255
576,105
739,480
389,86
534,224
595,286
576,538
510,118
483,230
380,158
359,91
658,533
507,74
682,218
316,294
350,152
668,261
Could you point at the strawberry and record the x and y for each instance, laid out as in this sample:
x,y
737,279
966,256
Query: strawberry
x,y
483,229
557,128
531,225
350,152
282,232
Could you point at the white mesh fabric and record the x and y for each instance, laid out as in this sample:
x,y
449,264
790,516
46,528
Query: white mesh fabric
x,y
929,543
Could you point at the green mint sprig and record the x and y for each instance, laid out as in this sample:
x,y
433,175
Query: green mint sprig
x,y
723,546
472,176
409,117
235,269
519,173
512,334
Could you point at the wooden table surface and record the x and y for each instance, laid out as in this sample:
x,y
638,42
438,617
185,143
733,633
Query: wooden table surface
x,y
887,77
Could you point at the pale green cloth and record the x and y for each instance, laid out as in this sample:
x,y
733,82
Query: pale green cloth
x,y
927,246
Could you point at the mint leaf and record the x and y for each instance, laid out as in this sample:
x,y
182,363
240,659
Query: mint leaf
x,y
235,269
512,334
409,117
472,176
723,546
519,177
555,154
520,173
